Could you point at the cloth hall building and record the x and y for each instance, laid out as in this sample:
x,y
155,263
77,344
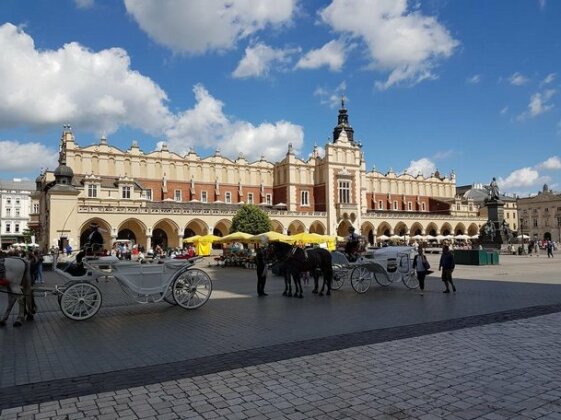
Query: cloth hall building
x,y
162,197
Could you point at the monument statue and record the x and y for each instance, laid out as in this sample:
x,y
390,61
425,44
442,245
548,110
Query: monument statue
x,y
494,190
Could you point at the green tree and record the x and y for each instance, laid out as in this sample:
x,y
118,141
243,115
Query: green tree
x,y
251,219
27,234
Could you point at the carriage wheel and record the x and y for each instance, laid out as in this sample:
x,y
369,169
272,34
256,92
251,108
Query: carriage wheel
x,y
192,289
168,297
361,278
338,279
80,301
410,280
383,279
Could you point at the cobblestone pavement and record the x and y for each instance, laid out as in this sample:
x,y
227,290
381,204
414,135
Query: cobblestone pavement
x,y
504,370
129,345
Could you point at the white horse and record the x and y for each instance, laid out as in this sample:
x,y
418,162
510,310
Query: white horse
x,y
18,289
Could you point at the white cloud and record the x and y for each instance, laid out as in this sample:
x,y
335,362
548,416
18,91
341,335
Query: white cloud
x,y
206,125
197,26
475,79
332,98
26,157
539,104
424,166
258,60
84,4
522,178
553,163
445,154
504,110
542,4
97,91
549,78
400,40
331,55
518,79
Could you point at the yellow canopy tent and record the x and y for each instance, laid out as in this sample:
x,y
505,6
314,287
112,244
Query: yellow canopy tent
x,y
309,238
203,244
271,236
236,237
191,239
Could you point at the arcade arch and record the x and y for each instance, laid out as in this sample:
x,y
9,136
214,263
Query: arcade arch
x,y
431,229
367,230
277,226
296,227
133,229
343,228
416,229
222,228
317,227
164,233
446,229
195,227
460,229
384,228
473,229
400,229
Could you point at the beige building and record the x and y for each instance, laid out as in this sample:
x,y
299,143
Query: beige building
x,y
161,197
540,215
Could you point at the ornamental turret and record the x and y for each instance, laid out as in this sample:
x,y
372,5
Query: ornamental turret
x,y
343,124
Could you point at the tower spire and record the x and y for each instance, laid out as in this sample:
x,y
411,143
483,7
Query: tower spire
x,y
343,123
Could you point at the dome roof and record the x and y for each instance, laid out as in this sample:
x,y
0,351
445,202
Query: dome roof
x,y
64,170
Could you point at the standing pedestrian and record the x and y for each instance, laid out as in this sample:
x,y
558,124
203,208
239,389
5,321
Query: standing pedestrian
x,y
422,266
549,247
39,269
447,266
261,265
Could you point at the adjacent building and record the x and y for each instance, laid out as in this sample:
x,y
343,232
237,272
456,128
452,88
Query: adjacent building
x,y
540,215
161,197
15,208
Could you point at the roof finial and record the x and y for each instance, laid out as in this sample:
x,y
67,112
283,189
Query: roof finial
x,y
342,101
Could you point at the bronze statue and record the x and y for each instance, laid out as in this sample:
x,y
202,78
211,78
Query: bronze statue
x,y
494,190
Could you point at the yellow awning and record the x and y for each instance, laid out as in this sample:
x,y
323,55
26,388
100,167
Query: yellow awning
x,y
271,236
236,237
191,239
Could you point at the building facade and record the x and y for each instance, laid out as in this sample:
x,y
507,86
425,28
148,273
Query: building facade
x,y
540,215
15,209
161,197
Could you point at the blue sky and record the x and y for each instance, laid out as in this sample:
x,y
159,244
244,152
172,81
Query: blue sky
x,y
472,87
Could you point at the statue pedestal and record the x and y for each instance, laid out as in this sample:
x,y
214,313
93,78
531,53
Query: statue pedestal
x,y
495,240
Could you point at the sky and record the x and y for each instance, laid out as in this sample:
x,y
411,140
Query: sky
x,y
472,87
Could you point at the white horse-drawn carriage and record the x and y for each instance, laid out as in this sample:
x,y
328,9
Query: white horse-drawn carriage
x,y
176,282
384,265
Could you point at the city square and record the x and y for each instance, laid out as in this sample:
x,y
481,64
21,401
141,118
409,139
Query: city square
x,y
166,168
342,356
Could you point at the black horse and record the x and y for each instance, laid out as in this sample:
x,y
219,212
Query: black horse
x,y
293,261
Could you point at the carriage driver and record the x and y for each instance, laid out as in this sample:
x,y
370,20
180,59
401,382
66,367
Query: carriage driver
x,y
353,243
95,238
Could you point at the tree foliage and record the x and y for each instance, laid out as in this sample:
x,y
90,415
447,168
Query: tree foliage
x,y
251,219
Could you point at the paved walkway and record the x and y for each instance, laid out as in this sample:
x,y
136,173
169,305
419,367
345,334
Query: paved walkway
x,y
134,345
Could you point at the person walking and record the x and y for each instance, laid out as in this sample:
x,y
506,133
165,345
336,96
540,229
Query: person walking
x,y
549,247
421,265
447,266
261,266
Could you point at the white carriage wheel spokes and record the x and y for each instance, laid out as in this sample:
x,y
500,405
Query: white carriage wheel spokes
x,y
361,278
338,279
192,289
410,280
80,301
